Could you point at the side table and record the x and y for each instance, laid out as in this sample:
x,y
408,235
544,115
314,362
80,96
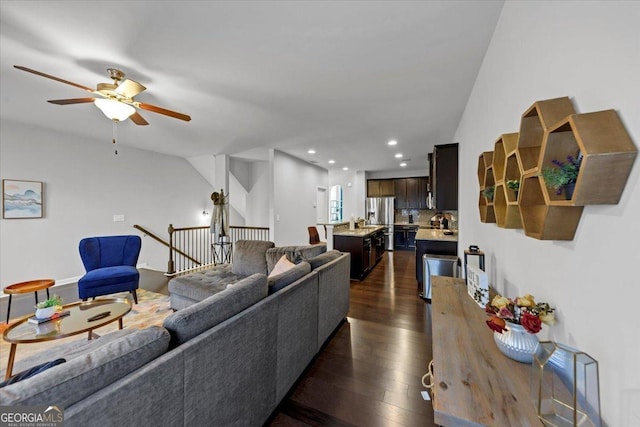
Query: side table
x,y
26,287
222,252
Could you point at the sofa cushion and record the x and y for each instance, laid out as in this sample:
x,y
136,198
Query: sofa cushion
x,y
192,321
249,257
281,280
108,361
324,258
281,266
202,284
295,254
109,276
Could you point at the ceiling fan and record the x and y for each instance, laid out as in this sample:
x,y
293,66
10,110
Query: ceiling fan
x,y
115,100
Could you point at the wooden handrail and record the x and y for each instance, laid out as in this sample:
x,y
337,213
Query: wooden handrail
x,y
248,227
164,242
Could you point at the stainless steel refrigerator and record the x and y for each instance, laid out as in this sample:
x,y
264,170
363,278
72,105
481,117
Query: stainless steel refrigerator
x,y
380,211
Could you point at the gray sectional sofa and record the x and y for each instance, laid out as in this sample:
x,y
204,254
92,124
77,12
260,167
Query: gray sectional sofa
x,y
226,360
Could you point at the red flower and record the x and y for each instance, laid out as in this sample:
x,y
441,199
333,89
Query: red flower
x,y
531,322
496,324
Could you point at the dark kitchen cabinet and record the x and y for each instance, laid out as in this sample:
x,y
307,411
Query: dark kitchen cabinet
x,y
444,182
401,201
365,251
411,193
380,188
404,237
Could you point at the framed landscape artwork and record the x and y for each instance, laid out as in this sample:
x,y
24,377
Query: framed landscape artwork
x,y
21,199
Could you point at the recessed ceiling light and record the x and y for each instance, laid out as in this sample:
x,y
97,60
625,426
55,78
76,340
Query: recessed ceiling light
x,y
399,155
312,151
392,142
345,168
332,161
403,164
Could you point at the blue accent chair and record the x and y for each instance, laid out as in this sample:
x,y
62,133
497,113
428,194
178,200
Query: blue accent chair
x,y
110,262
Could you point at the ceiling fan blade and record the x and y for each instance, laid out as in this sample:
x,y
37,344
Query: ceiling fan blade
x,y
129,88
138,119
58,79
164,111
70,101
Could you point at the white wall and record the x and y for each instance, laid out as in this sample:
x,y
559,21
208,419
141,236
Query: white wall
x,y
294,196
589,51
352,198
85,184
257,214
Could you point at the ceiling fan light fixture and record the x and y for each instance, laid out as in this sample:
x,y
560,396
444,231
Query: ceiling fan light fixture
x,y
114,110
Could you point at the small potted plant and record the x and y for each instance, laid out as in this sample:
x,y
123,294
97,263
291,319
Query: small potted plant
x,y
46,309
514,184
563,176
488,192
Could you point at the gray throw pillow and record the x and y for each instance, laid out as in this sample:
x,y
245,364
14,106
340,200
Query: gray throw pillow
x,y
249,257
282,280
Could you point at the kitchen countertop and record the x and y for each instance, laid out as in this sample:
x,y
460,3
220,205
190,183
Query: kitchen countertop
x,y
435,234
360,232
333,223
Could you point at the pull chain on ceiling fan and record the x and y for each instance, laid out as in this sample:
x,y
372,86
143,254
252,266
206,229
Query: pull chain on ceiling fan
x,y
115,100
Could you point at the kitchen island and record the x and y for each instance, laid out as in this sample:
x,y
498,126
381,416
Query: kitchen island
x,y
436,242
366,246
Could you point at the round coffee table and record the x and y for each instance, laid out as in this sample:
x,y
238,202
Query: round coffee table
x,y
83,317
27,287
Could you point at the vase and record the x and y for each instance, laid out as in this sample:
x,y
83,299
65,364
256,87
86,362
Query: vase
x,y
568,190
516,343
43,313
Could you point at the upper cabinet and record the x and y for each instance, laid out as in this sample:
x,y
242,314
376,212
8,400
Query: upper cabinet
x,y
444,178
409,193
380,188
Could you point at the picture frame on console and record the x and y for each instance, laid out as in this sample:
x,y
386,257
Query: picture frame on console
x,y
22,199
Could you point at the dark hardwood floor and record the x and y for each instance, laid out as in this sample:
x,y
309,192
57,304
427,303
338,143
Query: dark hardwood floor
x,y
369,373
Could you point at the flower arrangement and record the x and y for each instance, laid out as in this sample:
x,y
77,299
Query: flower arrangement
x,y
522,311
563,174
488,192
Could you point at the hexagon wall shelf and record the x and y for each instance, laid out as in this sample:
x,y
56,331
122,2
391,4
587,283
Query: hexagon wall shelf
x,y
535,121
551,130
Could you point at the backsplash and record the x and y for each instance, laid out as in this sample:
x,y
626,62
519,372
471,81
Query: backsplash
x,y
423,216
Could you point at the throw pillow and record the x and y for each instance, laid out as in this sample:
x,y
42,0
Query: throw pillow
x,y
281,266
28,373
249,257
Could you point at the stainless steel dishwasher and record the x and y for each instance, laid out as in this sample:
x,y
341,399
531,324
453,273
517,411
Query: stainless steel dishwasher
x,y
437,265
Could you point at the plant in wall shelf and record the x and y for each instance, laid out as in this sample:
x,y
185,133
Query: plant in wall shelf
x,y
514,323
488,192
514,184
563,176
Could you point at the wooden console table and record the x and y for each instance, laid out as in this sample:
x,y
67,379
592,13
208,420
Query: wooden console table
x,y
475,384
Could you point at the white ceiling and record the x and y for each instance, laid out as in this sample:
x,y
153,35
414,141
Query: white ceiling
x,y
340,77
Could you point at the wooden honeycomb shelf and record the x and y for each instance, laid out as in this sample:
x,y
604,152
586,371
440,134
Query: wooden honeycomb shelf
x,y
505,145
485,161
607,152
551,130
535,121
541,220
507,213
487,214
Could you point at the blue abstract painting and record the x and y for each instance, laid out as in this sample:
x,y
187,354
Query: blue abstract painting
x,y
21,199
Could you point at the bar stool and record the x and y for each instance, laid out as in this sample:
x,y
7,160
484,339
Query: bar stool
x,y
26,287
